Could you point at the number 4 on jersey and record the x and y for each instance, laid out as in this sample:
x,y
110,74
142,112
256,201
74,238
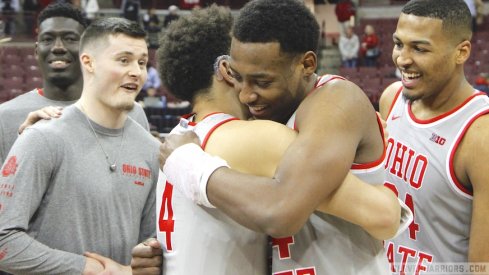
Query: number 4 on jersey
x,y
167,225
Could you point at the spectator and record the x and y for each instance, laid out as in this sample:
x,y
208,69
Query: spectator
x,y
91,8
370,50
8,10
479,6
131,10
31,8
152,82
151,20
151,100
345,13
171,16
151,24
482,83
349,45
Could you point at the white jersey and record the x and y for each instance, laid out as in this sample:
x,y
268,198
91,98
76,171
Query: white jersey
x,y
420,169
330,245
200,240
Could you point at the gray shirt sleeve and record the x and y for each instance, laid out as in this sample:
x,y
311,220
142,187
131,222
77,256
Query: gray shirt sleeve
x,y
24,183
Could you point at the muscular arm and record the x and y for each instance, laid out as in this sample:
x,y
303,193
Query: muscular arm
x,y
373,207
471,167
312,167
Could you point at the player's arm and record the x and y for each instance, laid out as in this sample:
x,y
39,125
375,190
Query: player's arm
x,y
256,148
331,127
372,207
24,181
471,162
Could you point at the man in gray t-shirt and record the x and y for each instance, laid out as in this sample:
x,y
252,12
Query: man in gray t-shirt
x,y
85,181
60,27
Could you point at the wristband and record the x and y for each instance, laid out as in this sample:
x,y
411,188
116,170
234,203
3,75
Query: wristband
x,y
406,218
188,168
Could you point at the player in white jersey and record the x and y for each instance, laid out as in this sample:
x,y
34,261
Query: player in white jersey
x,y
437,153
273,70
355,251
229,247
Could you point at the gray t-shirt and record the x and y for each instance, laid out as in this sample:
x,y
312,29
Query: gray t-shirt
x,y
58,198
15,111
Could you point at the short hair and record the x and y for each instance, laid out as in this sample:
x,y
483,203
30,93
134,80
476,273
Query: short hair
x,y
189,48
455,15
288,22
102,28
62,9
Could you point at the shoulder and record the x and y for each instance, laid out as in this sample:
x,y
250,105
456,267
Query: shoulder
x,y
336,95
16,103
387,98
140,134
136,111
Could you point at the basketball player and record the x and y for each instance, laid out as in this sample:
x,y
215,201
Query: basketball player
x,y
184,226
437,153
273,70
60,27
85,181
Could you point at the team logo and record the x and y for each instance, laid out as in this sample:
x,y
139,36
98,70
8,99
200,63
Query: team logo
x,y
438,139
10,167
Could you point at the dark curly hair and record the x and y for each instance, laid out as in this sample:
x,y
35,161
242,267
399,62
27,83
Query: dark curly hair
x,y
288,22
189,48
455,14
62,9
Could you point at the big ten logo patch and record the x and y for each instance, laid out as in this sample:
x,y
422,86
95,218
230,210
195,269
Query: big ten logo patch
x,y
140,174
10,167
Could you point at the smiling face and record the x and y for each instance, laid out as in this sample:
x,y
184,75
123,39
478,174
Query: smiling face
x,y
428,59
57,50
116,69
269,82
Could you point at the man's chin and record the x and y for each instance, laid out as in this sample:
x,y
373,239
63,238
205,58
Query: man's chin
x,y
61,80
127,107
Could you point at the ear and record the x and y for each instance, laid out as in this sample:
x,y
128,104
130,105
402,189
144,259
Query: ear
x,y
86,62
224,72
463,52
309,63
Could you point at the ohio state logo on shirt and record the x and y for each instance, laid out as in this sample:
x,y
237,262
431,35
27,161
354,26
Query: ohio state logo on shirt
x,y
10,167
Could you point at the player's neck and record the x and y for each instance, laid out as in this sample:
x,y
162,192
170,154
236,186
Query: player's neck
x,y
62,93
452,96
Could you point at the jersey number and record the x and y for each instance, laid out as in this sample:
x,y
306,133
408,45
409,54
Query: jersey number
x,y
167,225
408,200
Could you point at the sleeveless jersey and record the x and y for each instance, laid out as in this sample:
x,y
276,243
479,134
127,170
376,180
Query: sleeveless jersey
x,y
420,169
201,240
330,245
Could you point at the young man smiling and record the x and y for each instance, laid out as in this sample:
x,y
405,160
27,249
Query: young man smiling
x,y
60,27
85,181
437,151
